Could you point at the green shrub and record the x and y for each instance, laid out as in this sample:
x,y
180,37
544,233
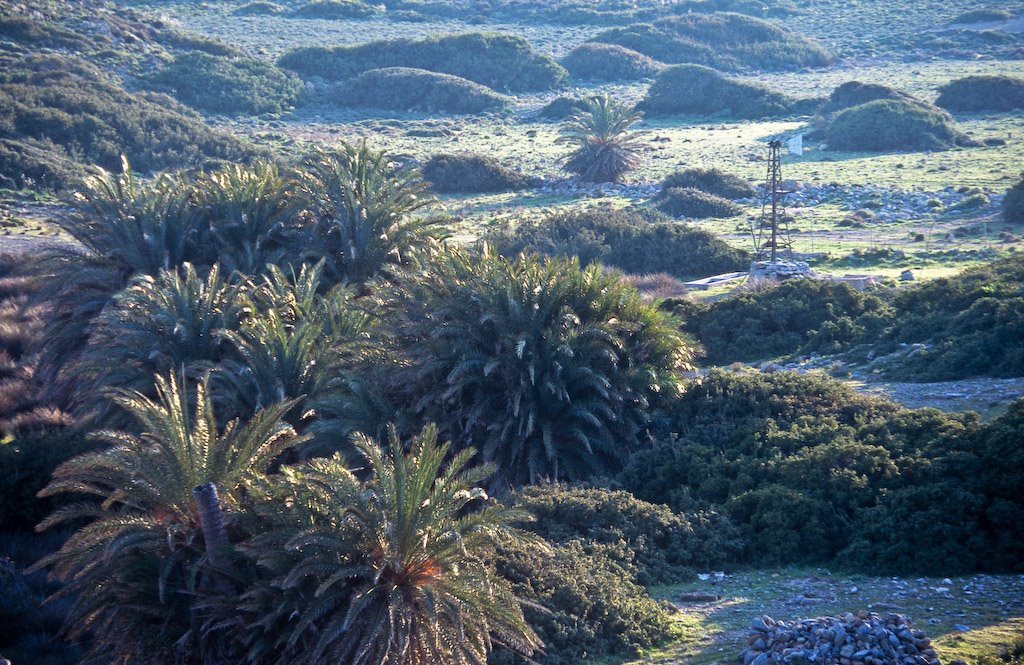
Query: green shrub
x,y
470,173
408,89
580,604
797,316
888,124
658,545
337,10
688,202
1013,204
26,465
982,93
228,85
562,108
721,40
855,93
711,181
635,241
259,9
506,63
60,115
608,62
983,15
701,90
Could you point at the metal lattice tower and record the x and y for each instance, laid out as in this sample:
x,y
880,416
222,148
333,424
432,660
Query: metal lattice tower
x,y
772,233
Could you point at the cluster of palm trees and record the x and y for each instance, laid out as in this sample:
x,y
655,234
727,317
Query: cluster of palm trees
x,y
264,352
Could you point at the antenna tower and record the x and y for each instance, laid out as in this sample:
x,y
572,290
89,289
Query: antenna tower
x,y
772,232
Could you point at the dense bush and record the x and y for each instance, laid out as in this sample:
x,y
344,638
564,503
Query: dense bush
x,y
580,604
506,63
855,93
1013,204
635,241
721,40
260,8
656,544
59,115
983,15
704,91
712,181
218,84
688,202
337,10
982,93
795,316
461,174
562,108
608,62
408,89
888,124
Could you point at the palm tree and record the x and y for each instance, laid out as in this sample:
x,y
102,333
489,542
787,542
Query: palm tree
x,y
125,227
251,217
175,320
128,568
389,568
362,208
603,151
548,370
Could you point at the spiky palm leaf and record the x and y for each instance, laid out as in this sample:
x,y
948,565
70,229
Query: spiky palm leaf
x,y
548,370
603,149
390,569
175,320
127,567
362,207
251,217
126,227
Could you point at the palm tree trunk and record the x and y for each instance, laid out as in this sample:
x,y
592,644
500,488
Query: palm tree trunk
x,y
211,520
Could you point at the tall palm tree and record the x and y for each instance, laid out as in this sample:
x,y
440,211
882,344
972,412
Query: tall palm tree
x,y
124,227
362,207
603,148
388,567
127,569
251,217
548,370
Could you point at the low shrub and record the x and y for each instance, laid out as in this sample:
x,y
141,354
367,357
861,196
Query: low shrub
x,y
855,93
889,124
982,93
259,9
701,90
562,108
1013,204
463,174
635,241
580,604
983,15
219,84
506,63
608,62
711,181
693,203
335,10
658,545
727,41
408,89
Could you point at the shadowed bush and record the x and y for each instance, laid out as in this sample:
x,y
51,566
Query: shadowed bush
x,y
983,15
463,174
219,84
505,63
608,62
701,90
887,124
712,181
855,93
337,10
408,89
259,9
982,93
635,241
562,108
722,40
693,203
1013,204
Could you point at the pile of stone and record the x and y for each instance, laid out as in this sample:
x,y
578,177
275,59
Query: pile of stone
x,y
864,638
